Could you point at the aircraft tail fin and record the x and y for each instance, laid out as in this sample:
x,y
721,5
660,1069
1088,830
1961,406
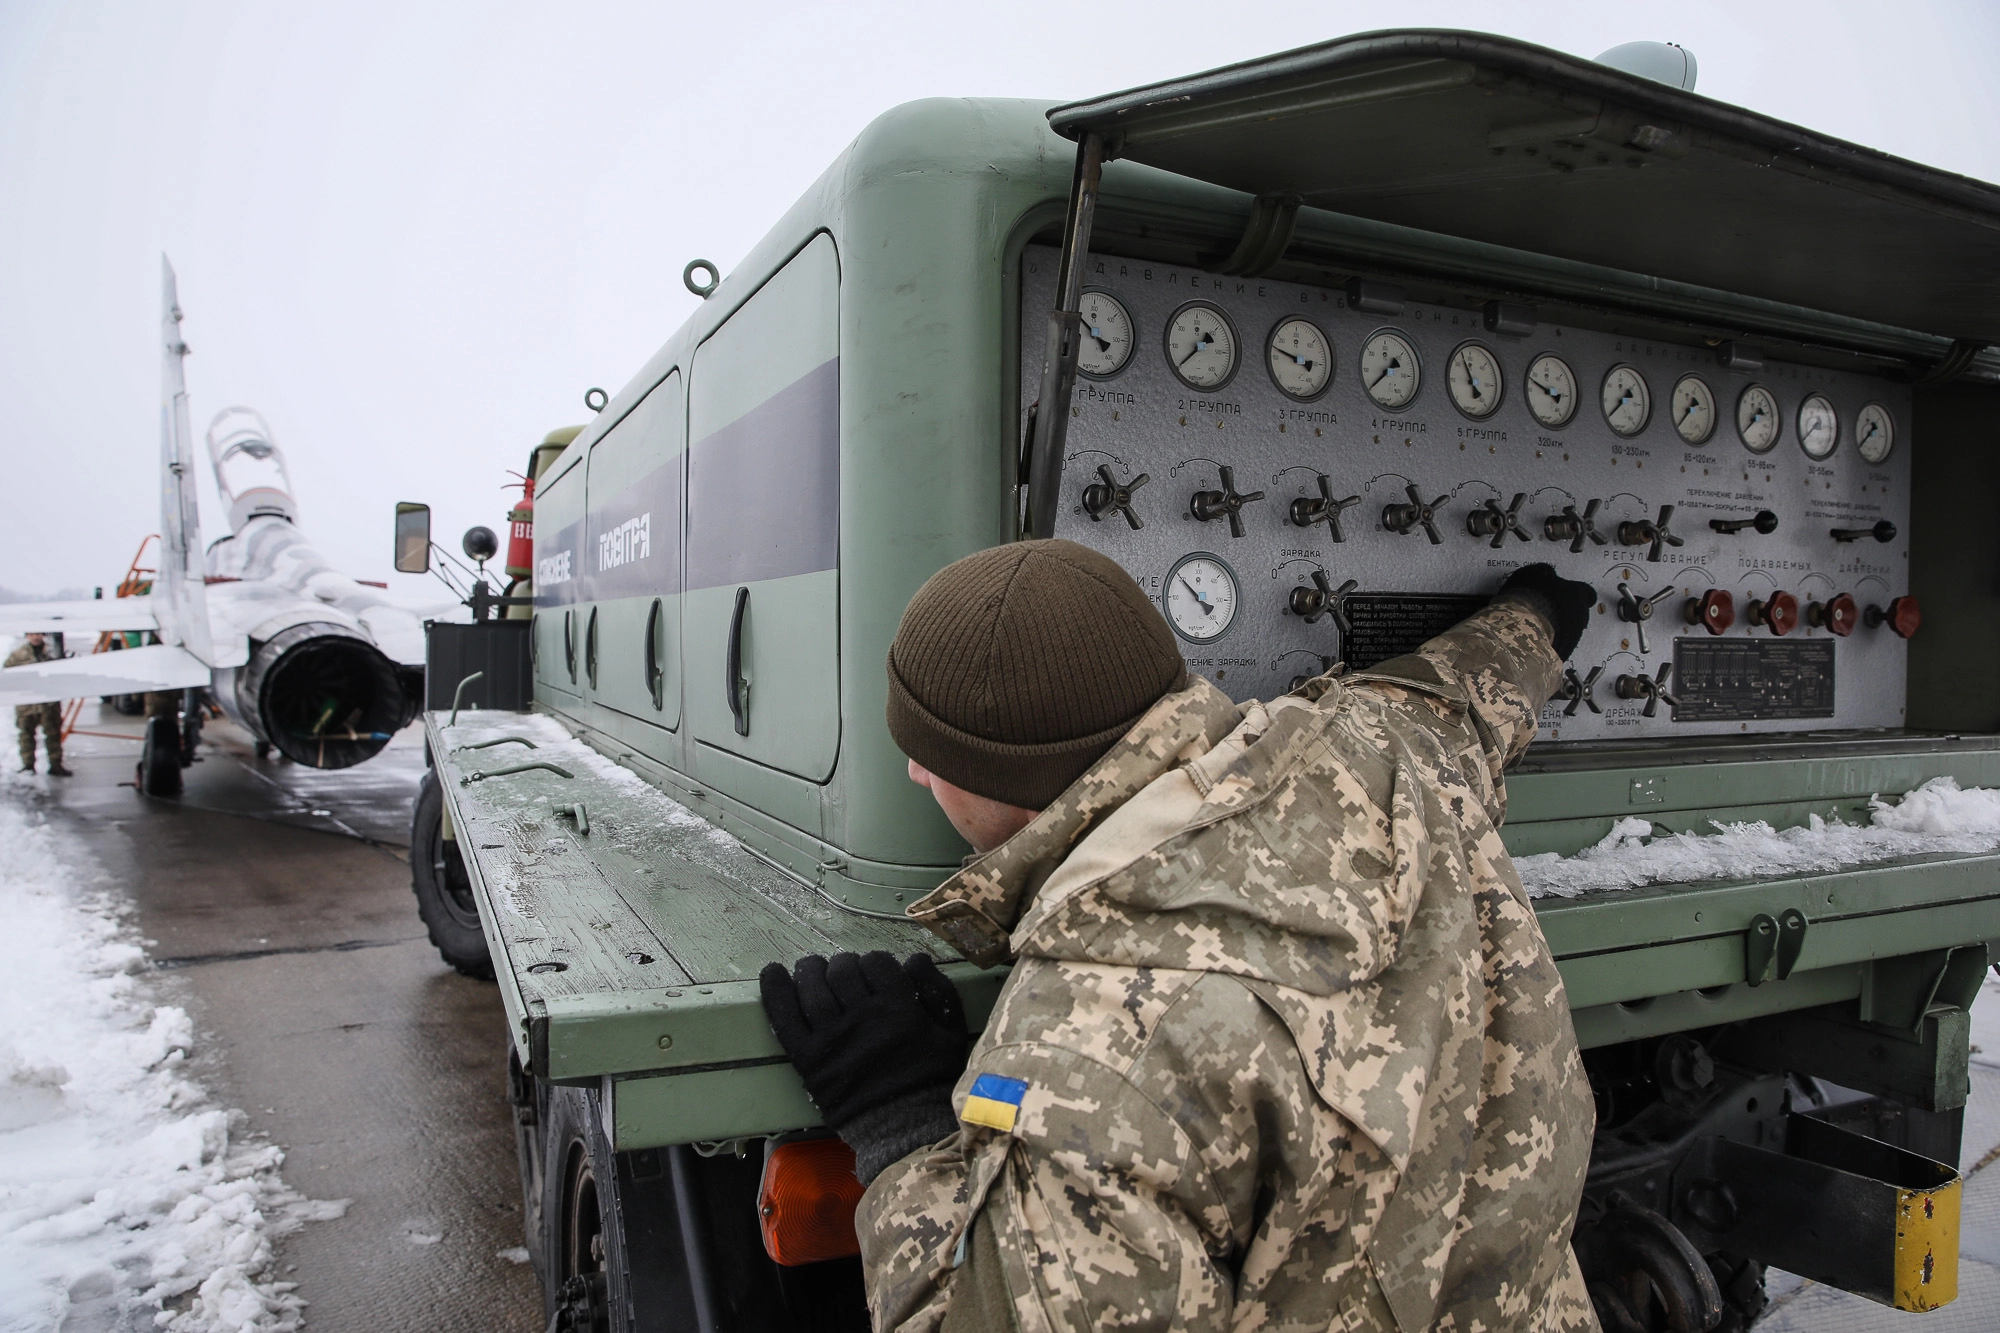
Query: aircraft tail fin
x,y
180,597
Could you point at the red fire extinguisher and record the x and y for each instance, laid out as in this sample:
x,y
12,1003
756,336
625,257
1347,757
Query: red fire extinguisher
x,y
521,533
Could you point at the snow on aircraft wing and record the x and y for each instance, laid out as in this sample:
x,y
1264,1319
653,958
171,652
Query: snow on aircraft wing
x,y
91,617
159,666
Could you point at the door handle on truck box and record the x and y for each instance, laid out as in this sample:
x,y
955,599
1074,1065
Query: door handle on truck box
x,y
738,688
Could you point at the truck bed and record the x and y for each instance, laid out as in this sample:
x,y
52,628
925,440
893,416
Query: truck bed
x,y
627,954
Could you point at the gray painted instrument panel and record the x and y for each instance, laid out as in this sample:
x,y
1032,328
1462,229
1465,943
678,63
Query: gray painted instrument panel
x,y
1144,419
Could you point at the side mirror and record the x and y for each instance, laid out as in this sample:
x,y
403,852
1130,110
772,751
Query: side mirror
x,y
413,538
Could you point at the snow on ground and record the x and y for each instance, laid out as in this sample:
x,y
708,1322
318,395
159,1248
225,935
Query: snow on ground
x,y
128,1198
1936,817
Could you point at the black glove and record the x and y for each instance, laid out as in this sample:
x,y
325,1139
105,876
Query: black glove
x,y
1564,602
879,1045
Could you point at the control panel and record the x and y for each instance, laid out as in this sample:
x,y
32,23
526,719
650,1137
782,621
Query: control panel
x,y
1303,475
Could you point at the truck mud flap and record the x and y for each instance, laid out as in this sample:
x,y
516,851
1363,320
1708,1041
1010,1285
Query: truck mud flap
x,y
1834,1206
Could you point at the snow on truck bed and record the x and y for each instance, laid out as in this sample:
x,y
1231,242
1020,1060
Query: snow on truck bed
x,y
1938,817
128,1199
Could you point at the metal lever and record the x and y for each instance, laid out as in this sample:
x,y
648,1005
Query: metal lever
x,y
1101,497
1225,503
1572,527
1577,691
1306,512
1407,518
1885,531
1309,604
1638,610
1765,522
1653,689
1642,533
1490,520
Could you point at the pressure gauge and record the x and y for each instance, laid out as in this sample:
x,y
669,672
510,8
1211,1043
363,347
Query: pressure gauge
x,y
1200,597
1694,409
1757,419
1107,335
1819,426
1874,433
1201,345
1551,390
1627,402
1474,380
1389,369
1300,356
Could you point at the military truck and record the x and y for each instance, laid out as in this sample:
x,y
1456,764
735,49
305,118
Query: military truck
x,y
1317,347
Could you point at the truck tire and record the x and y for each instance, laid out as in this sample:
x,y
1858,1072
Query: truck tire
x,y
160,758
443,889
611,1236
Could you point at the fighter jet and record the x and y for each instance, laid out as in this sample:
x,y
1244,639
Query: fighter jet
x,y
306,659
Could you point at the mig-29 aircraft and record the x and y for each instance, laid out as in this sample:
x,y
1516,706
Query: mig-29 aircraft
x,y
309,661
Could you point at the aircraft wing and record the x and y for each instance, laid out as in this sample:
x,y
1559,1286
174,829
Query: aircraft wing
x,y
92,617
159,666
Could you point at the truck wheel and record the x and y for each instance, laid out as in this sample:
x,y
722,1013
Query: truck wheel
x,y
160,758
443,889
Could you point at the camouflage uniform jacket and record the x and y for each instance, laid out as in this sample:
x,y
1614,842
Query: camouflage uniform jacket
x,y
1288,1047
22,656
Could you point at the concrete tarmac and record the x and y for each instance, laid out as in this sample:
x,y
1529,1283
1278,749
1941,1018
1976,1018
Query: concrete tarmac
x,y
276,902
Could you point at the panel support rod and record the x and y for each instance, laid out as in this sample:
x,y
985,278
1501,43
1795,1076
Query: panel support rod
x,y
1048,420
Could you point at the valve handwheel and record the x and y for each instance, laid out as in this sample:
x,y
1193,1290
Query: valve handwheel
x,y
1837,615
1903,617
1653,534
1714,611
1101,497
1323,599
1490,520
1305,511
1778,613
1407,518
1574,528
1226,503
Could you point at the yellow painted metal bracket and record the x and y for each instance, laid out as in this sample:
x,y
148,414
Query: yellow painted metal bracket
x,y
1927,1246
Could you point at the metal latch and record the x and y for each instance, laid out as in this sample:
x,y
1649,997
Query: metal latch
x,y
1771,947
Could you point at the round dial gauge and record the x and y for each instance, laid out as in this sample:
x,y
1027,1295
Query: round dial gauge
x,y
1628,403
1874,433
1551,390
1757,419
1300,356
1819,426
1389,369
1201,346
1200,597
1107,335
1474,380
1694,409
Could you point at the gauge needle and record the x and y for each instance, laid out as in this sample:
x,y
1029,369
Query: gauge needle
x,y
1693,403
1297,360
1547,390
1199,343
1470,377
1387,371
1099,339
1872,432
1199,596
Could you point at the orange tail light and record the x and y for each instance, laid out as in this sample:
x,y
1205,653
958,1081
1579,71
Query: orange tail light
x,y
806,1201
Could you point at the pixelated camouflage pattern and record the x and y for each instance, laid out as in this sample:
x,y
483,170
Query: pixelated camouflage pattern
x,y
28,717
1297,1055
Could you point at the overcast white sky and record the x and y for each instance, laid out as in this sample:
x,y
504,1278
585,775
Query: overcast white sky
x,y
412,234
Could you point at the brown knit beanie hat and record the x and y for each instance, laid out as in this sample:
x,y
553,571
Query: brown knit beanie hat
x,y
1016,668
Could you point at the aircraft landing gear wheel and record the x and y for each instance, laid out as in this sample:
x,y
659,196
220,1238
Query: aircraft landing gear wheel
x,y
443,889
160,758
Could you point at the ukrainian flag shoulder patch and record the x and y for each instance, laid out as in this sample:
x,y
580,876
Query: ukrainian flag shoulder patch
x,y
994,1102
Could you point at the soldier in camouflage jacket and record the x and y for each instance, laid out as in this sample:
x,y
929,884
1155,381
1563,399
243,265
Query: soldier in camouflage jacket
x,y
1283,1046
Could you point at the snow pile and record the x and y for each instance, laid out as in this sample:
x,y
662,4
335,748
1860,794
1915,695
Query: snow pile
x,y
1936,817
127,1200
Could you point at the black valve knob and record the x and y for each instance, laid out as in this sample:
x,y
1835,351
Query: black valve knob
x,y
1322,599
1326,509
1577,691
1653,689
1765,523
1490,520
1102,497
1903,616
1653,534
1572,527
1837,615
1638,610
1885,531
1325,665
1226,503
1407,518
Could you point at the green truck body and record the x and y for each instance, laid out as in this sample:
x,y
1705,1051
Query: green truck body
x,y
844,415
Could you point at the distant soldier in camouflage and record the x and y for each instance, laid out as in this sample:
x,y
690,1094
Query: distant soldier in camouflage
x,y
1283,1046
48,717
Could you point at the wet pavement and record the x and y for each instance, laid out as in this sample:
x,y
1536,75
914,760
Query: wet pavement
x,y
276,902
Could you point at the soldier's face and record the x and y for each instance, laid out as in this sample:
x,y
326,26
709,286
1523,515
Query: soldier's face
x,y
37,640
980,820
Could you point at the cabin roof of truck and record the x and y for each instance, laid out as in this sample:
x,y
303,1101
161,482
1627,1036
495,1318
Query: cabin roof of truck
x,y
1499,141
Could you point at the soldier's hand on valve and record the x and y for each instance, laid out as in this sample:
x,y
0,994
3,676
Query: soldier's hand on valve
x,y
879,1045
1564,603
